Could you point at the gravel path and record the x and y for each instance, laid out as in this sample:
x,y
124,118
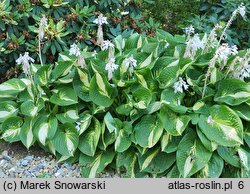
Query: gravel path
x,y
17,162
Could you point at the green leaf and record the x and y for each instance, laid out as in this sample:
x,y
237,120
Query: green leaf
x,y
243,111
223,126
26,134
154,161
45,128
172,123
42,76
89,140
211,146
232,92
110,122
214,167
148,131
230,155
173,100
12,86
101,92
128,159
70,116
191,155
91,166
142,97
169,143
244,158
168,75
85,120
62,68
29,109
122,142
11,128
66,139
7,109
65,96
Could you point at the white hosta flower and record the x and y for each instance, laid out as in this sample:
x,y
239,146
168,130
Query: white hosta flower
x,y
193,45
25,60
210,119
111,67
100,20
189,30
243,71
130,63
242,10
224,51
44,22
180,86
74,50
106,45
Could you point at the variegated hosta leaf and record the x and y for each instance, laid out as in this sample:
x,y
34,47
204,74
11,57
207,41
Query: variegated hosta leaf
x,y
173,100
66,139
244,156
12,86
143,97
210,145
243,111
91,166
168,75
223,126
11,129
213,168
89,140
129,161
26,134
42,76
232,92
154,161
110,123
122,142
7,109
45,128
172,123
169,143
28,108
148,131
101,92
191,155
70,116
84,122
230,155
65,96
62,68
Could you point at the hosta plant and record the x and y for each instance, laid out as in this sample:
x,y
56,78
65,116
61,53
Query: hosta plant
x,y
173,106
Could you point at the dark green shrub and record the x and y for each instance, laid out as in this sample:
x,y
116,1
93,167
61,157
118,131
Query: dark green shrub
x,y
69,21
219,11
171,14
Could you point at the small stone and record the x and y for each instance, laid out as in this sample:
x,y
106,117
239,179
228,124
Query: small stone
x,y
24,162
2,174
8,158
29,158
3,162
13,169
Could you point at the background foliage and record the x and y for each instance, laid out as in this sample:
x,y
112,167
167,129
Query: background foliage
x,y
69,21
213,12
